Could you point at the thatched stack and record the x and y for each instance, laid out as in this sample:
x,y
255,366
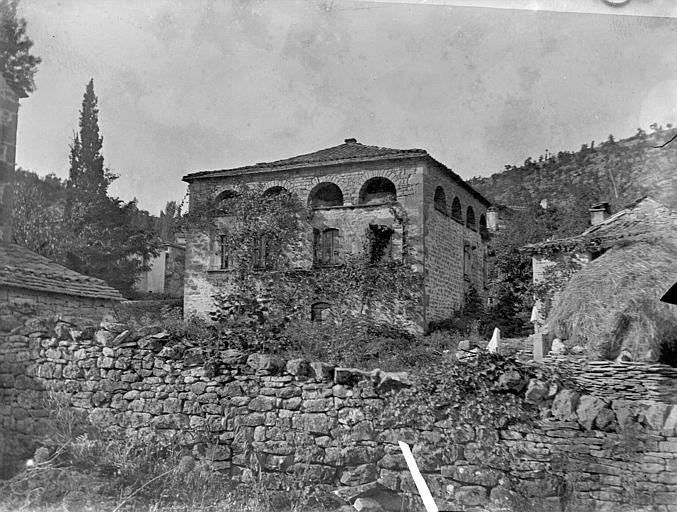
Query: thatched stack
x,y
613,304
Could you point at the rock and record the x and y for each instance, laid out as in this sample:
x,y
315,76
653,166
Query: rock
x,y
625,355
388,381
536,391
149,343
557,347
604,420
103,337
114,327
471,496
298,367
564,405
232,357
464,345
367,505
511,380
588,408
385,497
266,363
361,474
578,349
122,337
321,371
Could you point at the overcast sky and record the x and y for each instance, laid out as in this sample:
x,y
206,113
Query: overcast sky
x,y
194,85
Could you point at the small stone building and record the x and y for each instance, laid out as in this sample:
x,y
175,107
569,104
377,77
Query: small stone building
x,y
424,208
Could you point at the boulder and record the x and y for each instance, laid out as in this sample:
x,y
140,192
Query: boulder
x,y
388,381
367,505
266,363
350,376
298,367
232,357
564,405
536,391
588,408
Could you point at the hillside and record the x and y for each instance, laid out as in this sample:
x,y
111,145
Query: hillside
x,y
613,171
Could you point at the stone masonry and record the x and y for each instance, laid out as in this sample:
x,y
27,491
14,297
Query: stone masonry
x,y
450,253
313,422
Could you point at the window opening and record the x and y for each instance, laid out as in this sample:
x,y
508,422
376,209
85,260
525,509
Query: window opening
x,y
456,212
326,247
440,200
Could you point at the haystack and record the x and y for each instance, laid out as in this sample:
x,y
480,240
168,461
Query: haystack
x,y
613,304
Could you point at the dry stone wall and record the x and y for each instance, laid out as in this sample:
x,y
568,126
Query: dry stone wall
x,y
258,416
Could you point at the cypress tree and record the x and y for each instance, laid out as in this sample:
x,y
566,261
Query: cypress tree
x,y
17,64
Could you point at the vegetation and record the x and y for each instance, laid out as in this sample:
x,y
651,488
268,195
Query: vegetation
x,y
17,64
83,467
616,171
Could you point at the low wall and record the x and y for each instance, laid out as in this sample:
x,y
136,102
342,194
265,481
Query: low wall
x,y
311,421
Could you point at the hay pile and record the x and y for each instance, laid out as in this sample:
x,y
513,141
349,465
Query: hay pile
x,y
613,304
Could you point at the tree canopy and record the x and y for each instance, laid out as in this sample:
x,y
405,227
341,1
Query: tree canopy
x,y
17,63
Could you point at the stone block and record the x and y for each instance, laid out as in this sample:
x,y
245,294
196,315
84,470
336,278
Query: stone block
x,y
361,474
321,372
471,496
300,368
588,408
564,405
263,403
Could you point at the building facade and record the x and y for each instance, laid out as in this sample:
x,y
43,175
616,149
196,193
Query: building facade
x,y
430,217
165,275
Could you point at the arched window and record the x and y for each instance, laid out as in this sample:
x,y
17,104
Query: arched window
x,y
456,211
221,201
378,190
470,218
275,191
440,200
326,247
483,227
325,194
320,312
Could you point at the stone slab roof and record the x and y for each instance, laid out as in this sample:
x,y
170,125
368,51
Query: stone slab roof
x,y
22,268
644,217
348,152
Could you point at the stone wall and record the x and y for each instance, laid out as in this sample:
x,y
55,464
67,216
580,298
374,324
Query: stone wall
x,y
318,424
19,304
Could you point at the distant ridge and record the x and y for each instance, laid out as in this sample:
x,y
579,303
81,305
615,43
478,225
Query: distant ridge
x,y
617,172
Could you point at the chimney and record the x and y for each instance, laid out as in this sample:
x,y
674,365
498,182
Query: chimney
x,y
599,212
350,141
9,109
492,218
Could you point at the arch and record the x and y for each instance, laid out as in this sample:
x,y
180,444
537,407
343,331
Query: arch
x,y
378,190
456,210
275,191
320,311
325,194
440,200
221,200
226,194
470,218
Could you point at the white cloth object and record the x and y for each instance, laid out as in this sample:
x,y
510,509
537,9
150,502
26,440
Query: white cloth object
x,y
495,339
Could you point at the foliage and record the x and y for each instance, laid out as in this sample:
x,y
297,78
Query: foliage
x,y
37,215
271,281
617,171
17,63
83,466
108,238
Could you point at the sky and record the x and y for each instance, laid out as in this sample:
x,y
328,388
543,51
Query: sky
x,y
194,85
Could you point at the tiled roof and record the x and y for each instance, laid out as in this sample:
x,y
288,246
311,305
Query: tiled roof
x,y
645,217
349,150
22,268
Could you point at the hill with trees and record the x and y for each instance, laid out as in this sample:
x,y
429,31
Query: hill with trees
x,y
614,171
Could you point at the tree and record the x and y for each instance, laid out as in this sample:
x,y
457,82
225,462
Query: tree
x,y
111,240
18,65
88,178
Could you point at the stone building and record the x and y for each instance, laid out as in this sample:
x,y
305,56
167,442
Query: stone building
x,y
31,284
432,219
